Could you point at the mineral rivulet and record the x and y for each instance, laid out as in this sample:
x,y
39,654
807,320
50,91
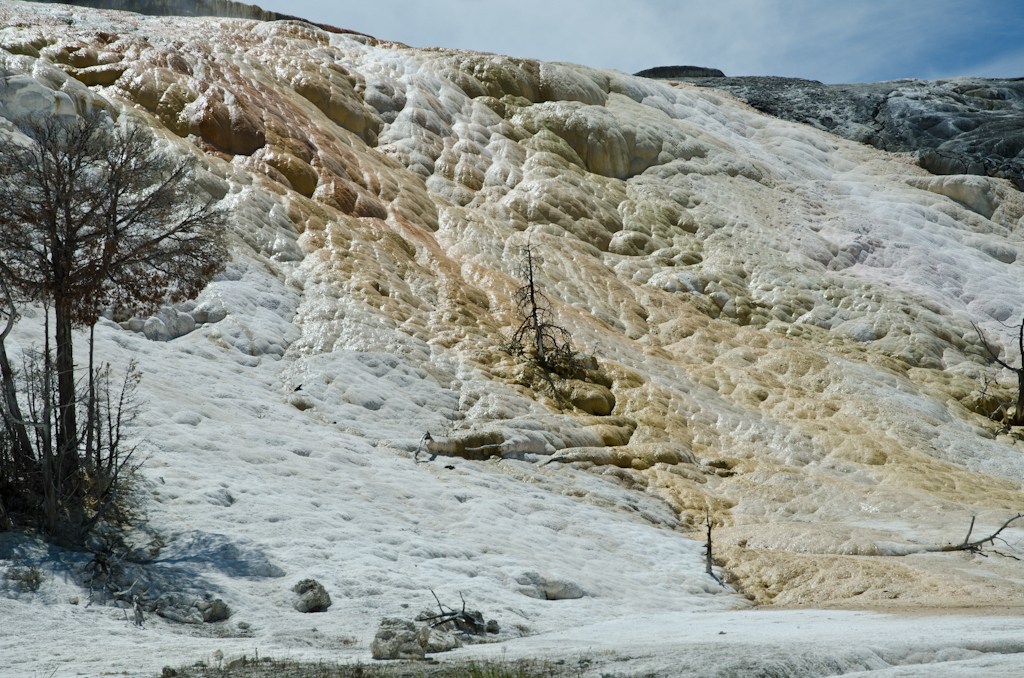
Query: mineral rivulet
x,y
781,318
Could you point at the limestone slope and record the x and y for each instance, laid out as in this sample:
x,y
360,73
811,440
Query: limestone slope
x,y
783,316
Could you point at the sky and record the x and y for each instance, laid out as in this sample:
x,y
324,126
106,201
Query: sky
x,y
827,40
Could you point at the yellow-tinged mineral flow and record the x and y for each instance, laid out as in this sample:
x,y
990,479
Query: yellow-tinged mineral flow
x,y
782,318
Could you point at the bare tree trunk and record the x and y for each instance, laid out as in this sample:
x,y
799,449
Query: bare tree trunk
x,y
1018,413
92,451
51,470
708,558
23,448
537,334
67,430
5,521
21,461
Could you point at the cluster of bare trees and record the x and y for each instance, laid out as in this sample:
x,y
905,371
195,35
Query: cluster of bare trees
x,y
93,216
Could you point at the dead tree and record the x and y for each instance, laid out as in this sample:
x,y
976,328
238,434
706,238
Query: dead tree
x,y
1017,418
93,215
538,336
709,560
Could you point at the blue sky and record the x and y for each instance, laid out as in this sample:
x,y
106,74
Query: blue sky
x,y
828,40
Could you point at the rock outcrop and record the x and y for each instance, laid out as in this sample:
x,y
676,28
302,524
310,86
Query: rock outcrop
x,y
673,72
400,639
191,609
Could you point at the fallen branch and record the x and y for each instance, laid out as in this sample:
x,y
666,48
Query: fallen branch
x,y
452,613
456,445
468,622
120,594
968,545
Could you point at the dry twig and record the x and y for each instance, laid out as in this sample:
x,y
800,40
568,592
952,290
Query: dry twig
x,y
975,546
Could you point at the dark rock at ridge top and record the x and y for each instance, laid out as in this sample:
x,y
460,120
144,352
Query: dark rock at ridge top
x,y
957,126
673,72
225,9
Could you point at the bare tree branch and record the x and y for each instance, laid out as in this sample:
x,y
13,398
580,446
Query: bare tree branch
x,y
967,545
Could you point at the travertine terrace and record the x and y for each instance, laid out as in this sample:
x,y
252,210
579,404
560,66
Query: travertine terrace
x,y
784,316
